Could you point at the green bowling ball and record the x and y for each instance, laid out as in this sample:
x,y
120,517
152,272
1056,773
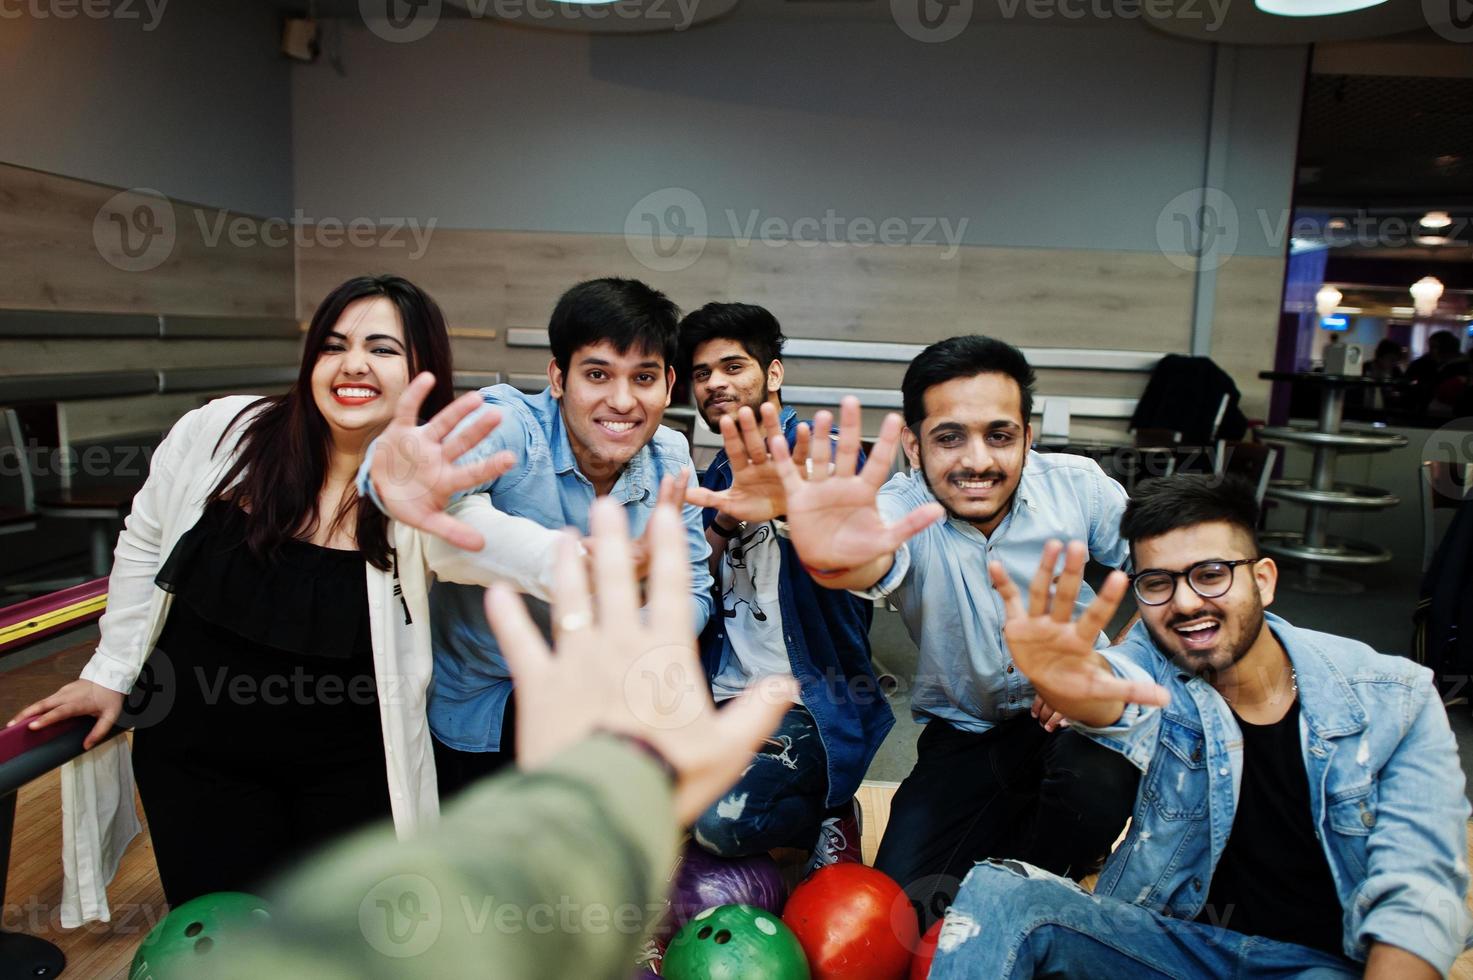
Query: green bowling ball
x,y
734,942
199,937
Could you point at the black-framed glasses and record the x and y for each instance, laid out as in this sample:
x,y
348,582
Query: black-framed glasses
x,y
1209,579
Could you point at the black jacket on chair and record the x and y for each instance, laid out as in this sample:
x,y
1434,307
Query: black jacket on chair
x,y
1184,394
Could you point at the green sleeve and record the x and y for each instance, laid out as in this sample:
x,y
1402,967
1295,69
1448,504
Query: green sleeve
x,y
550,874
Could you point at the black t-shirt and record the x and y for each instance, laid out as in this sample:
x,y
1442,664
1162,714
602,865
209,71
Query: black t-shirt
x,y
1273,879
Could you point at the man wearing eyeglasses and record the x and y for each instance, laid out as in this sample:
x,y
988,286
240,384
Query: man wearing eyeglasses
x,y
1301,810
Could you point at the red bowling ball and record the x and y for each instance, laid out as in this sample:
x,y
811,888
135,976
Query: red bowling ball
x,y
920,966
854,922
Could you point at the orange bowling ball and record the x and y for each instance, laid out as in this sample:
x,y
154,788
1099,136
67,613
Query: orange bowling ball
x,y
920,966
854,923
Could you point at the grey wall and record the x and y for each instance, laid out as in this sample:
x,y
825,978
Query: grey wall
x,y
1038,134
194,102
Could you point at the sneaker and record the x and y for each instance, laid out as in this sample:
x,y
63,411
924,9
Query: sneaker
x,y
838,840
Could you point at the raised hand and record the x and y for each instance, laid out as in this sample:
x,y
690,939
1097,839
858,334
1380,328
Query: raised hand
x,y
671,493
756,493
614,669
833,517
1057,652
414,466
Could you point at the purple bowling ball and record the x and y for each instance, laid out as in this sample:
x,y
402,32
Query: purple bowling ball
x,y
701,880
646,975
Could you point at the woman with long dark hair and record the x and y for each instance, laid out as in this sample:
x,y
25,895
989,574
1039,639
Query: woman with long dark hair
x,y
276,624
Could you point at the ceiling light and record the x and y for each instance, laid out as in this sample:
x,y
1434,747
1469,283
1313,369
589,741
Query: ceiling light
x,y
1313,8
1425,294
1436,219
1431,239
1337,224
1403,311
1327,299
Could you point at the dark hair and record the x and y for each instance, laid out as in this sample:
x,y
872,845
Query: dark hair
x,y
1168,503
1388,347
282,457
754,328
1444,341
625,312
963,357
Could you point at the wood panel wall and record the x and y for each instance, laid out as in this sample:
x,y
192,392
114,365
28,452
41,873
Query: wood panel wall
x,y
56,240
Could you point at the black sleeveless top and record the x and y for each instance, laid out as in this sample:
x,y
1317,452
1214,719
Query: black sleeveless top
x,y
272,656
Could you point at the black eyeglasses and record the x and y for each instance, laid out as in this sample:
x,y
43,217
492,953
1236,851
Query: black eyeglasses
x,y
1209,579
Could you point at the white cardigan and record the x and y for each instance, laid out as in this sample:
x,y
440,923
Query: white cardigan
x,y
186,468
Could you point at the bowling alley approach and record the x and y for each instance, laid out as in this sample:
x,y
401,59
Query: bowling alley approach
x,y
736,489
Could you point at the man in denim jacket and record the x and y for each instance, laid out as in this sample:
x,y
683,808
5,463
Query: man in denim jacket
x,y
1301,810
772,618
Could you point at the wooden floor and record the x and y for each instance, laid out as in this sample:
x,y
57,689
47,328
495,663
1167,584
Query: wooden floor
x,y
104,950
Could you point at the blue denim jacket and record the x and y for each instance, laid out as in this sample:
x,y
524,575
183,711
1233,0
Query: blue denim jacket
x,y
471,683
827,634
1384,783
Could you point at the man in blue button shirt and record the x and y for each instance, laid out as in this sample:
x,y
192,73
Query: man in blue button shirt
x,y
593,432
1301,810
773,619
989,779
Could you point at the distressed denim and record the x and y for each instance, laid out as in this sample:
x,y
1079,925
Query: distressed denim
x,y
1014,920
1385,787
827,636
778,802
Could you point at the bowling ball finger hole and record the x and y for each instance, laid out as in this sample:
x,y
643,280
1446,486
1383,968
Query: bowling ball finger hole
x,y
705,933
204,945
194,929
723,937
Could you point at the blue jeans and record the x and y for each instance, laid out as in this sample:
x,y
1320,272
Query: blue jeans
x,y
778,802
1013,920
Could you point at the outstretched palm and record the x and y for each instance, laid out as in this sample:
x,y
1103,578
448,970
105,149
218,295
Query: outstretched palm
x,y
1057,652
756,493
834,520
414,469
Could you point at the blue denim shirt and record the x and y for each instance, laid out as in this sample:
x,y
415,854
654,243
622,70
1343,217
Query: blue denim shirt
x,y
939,582
471,683
827,636
1384,783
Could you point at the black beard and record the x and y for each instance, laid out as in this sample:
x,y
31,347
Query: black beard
x,y
1001,509
1209,672
755,407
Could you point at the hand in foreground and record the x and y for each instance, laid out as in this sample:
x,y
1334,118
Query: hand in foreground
x,y
833,518
1050,719
671,492
617,670
414,466
756,493
1057,653
77,698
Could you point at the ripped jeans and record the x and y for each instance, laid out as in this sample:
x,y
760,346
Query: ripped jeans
x,y
1011,919
778,802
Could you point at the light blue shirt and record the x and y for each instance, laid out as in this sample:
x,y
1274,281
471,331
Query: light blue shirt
x,y
471,682
1385,790
939,582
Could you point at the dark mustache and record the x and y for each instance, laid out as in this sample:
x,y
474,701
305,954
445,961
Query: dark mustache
x,y
971,475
